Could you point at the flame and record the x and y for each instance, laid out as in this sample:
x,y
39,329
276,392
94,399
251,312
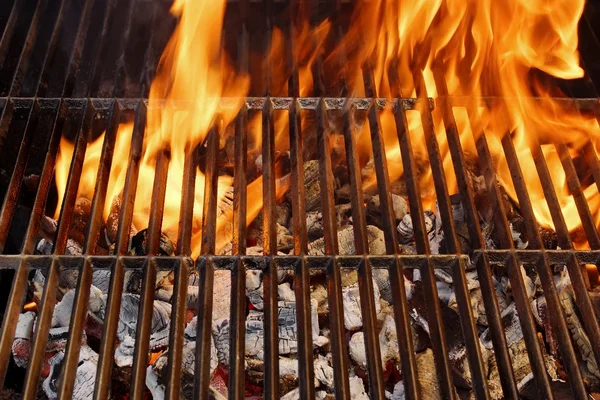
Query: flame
x,y
507,51
31,306
485,48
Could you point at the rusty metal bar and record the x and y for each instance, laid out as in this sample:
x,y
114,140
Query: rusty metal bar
x,y
113,303
19,286
51,284
507,378
512,264
176,333
306,372
144,325
458,269
396,273
334,280
75,56
206,267
559,325
84,280
576,273
12,192
422,243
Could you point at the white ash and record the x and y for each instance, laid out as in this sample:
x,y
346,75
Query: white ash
x,y
406,230
286,293
254,288
324,371
64,309
128,317
518,237
84,381
528,283
352,311
220,333
399,204
357,389
157,389
345,235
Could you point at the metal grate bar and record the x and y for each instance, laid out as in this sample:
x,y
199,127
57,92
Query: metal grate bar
x,y
507,378
82,291
513,269
144,325
19,285
113,303
51,284
10,200
576,273
306,374
558,322
422,244
205,298
458,269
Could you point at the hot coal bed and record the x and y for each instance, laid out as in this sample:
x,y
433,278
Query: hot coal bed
x,y
344,285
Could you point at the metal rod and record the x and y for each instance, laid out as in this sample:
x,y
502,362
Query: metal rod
x,y
19,286
84,280
507,379
48,301
512,265
176,333
558,323
117,276
458,269
144,325
205,298
12,192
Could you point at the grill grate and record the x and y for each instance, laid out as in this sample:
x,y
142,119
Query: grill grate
x,y
48,93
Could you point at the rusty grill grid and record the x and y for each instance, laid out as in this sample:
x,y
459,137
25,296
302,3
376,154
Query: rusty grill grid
x,y
67,107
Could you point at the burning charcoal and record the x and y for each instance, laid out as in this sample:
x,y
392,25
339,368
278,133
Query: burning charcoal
x,y
346,242
84,381
549,238
21,346
405,227
352,312
358,352
48,228
388,341
81,215
138,244
112,222
428,382
129,315
517,230
286,293
314,220
399,203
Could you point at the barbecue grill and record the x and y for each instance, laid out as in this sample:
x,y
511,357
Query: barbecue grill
x,y
77,67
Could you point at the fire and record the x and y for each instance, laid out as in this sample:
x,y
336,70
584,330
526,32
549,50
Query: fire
x,y
482,49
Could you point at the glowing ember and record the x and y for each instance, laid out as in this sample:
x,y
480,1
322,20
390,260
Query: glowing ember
x,y
481,49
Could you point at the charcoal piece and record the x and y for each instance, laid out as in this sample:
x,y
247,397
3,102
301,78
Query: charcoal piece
x,y
314,220
388,342
128,316
352,309
580,338
345,235
312,189
84,380
21,347
63,310
112,221
81,216
357,389
139,242
428,382
48,228
399,203
324,371
46,248
549,238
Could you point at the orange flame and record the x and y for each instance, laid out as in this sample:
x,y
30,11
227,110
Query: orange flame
x,y
479,48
